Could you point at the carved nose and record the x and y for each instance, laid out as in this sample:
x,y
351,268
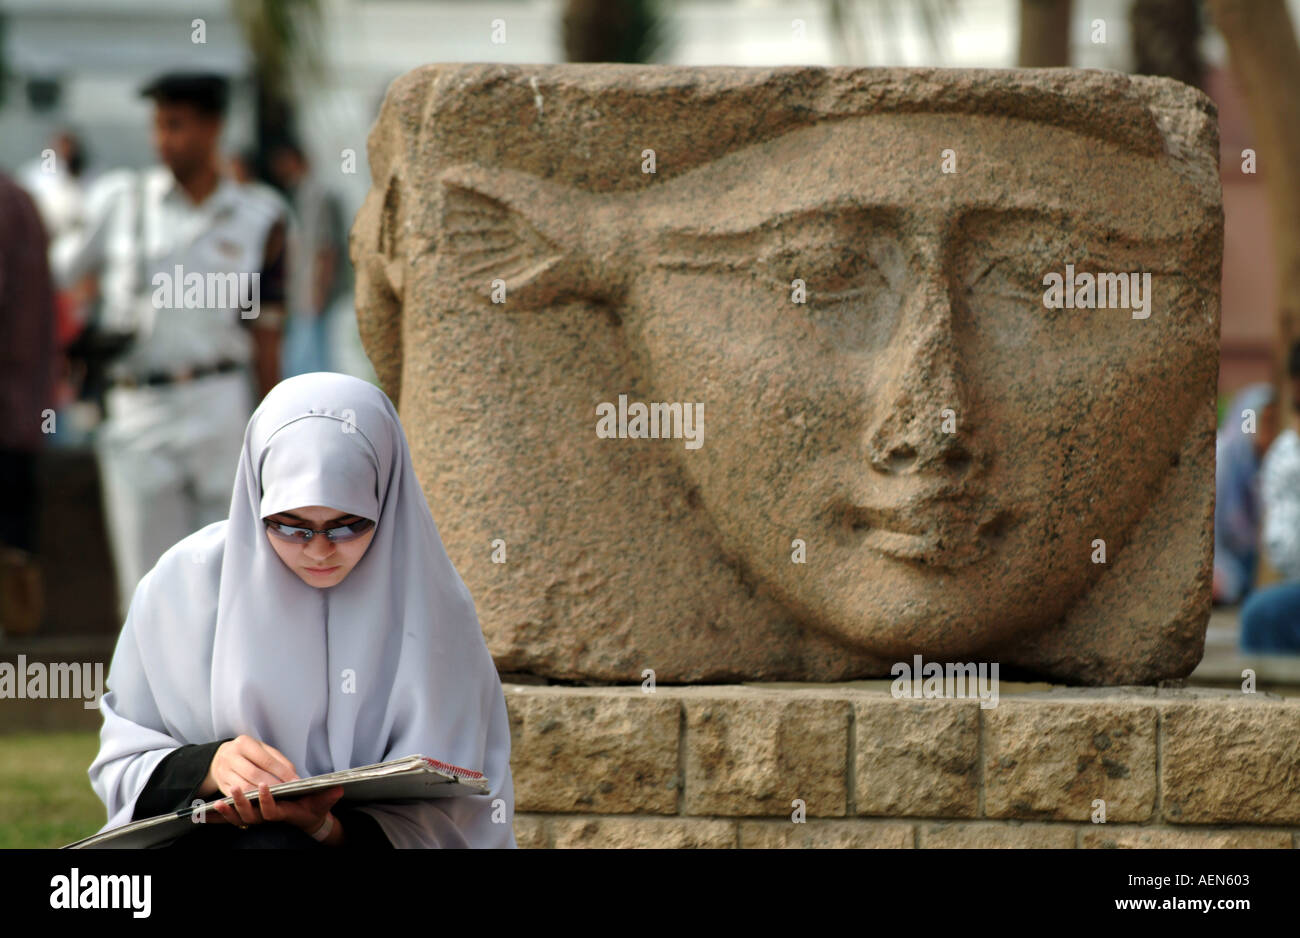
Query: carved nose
x,y
921,448
901,458
952,456
920,427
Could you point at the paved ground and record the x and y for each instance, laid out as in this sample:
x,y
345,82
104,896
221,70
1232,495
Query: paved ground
x,y
1223,661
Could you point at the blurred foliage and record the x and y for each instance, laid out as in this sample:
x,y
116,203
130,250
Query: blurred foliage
x,y
280,33
284,38
613,30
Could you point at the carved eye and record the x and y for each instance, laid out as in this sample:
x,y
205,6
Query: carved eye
x,y
830,251
1016,285
830,273
1014,278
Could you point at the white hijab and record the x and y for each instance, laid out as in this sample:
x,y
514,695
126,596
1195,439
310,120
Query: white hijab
x,y
222,638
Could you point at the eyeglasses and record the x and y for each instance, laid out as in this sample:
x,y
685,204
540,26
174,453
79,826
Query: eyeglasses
x,y
338,535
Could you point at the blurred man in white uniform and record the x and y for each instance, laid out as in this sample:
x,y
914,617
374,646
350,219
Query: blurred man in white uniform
x,y
192,275
56,180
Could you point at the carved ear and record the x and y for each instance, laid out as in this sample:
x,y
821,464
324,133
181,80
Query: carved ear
x,y
504,224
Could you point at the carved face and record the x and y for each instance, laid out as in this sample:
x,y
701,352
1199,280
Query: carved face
x,y
949,449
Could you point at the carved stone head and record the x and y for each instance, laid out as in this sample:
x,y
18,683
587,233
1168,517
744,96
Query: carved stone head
x,y
954,335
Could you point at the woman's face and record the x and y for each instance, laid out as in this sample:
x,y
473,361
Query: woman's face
x,y
320,562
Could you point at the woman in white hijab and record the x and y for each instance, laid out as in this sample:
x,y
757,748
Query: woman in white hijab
x,y
235,634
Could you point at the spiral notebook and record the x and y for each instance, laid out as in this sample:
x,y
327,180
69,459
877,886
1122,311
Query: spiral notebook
x,y
412,778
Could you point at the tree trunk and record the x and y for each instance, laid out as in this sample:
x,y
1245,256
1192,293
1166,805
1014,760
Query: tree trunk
x,y
1044,33
1266,60
605,31
1167,40
275,121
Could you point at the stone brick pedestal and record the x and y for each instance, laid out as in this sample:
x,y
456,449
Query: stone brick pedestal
x,y
723,766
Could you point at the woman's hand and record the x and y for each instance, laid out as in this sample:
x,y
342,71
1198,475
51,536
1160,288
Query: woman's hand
x,y
307,813
243,764
246,763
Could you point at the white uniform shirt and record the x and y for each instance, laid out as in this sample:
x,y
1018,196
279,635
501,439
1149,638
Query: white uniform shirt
x,y
58,194
224,234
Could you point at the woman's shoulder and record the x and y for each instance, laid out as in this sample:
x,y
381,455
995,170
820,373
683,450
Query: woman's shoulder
x,y
189,571
203,547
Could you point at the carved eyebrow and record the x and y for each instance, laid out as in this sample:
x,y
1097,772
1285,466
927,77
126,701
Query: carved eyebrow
x,y
1087,225
734,248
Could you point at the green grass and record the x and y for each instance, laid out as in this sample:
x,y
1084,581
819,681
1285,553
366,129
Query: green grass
x,y
45,794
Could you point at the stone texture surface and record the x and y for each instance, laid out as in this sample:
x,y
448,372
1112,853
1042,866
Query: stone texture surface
x,y
853,835
530,832
1256,772
1222,770
1052,760
916,757
659,833
758,754
604,753
1146,838
825,421
994,834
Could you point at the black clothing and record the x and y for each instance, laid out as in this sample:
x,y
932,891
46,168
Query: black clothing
x,y
175,782
267,836
18,494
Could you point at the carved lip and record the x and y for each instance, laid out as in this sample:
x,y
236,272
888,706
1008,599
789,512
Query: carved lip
x,y
937,532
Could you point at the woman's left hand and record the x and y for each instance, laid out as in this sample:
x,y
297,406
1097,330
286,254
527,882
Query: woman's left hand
x,y
306,813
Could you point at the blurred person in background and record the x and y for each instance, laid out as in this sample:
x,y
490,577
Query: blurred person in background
x,y
1270,616
27,346
57,181
1247,433
318,262
241,166
179,389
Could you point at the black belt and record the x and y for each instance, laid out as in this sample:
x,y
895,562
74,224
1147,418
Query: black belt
x,y
177,377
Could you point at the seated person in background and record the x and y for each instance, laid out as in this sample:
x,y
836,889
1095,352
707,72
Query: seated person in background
x,y
1270,617
1248,430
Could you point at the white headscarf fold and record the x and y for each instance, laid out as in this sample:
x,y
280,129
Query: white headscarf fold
x,y
222,638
